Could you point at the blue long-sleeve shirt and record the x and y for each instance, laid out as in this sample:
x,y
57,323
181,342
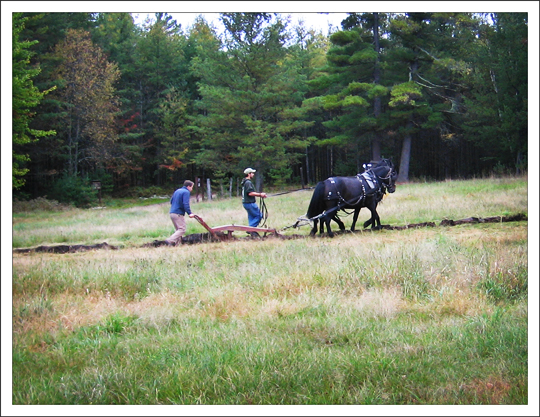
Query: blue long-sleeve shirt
x,y
180,202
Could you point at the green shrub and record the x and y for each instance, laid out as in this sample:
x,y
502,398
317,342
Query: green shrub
x,y
73,190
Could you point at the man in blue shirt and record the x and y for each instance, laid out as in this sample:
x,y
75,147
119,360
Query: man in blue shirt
x,y
179,207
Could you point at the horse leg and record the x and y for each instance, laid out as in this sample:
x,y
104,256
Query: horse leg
x,y
313,231
375,219
355,218
372,206
339,222
327,220
371,220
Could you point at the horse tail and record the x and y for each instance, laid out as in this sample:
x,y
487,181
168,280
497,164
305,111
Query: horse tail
x,y
316,205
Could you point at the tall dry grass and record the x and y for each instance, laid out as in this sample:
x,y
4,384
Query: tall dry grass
x,y
418,316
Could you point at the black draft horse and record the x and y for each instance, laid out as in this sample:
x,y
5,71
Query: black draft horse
x,y
340,193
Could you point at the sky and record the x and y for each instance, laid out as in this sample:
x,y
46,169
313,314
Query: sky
x,y
311,20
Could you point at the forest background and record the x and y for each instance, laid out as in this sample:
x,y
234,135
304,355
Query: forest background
x,y
97,97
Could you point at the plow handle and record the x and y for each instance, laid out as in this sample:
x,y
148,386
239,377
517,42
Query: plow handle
x,y
201,221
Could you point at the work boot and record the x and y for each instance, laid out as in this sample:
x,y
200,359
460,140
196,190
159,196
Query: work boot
x,y
255,235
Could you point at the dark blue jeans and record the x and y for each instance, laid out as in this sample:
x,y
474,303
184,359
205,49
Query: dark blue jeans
x,y
254,214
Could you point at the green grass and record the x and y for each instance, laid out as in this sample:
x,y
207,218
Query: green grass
x,y
432,316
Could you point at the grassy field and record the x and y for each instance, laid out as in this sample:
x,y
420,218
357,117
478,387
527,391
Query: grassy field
x,y
432,316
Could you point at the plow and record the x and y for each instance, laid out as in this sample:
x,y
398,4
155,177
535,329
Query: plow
x,y
225,233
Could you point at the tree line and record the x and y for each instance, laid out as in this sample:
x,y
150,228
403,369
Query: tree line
x,y
97,97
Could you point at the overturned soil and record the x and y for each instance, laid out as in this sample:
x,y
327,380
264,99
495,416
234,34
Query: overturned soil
x,y
196,238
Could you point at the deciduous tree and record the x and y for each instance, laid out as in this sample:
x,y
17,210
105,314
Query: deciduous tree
x,y
88,105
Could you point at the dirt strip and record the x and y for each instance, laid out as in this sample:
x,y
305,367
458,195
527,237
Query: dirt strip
x,y
207,237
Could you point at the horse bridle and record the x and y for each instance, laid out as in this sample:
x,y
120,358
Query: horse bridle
x,y
388,176
384,183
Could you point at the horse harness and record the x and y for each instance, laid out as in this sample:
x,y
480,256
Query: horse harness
x,y
369,183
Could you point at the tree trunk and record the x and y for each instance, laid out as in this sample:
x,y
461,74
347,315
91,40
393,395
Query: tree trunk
x,y
259,180
70,151
518,163
308,171
376,142
331,170
403,175
208,189
376,145
76,156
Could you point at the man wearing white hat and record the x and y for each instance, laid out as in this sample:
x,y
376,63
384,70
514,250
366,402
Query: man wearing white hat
x,y
248,198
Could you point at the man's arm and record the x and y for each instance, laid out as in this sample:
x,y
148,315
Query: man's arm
x,y
185,201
